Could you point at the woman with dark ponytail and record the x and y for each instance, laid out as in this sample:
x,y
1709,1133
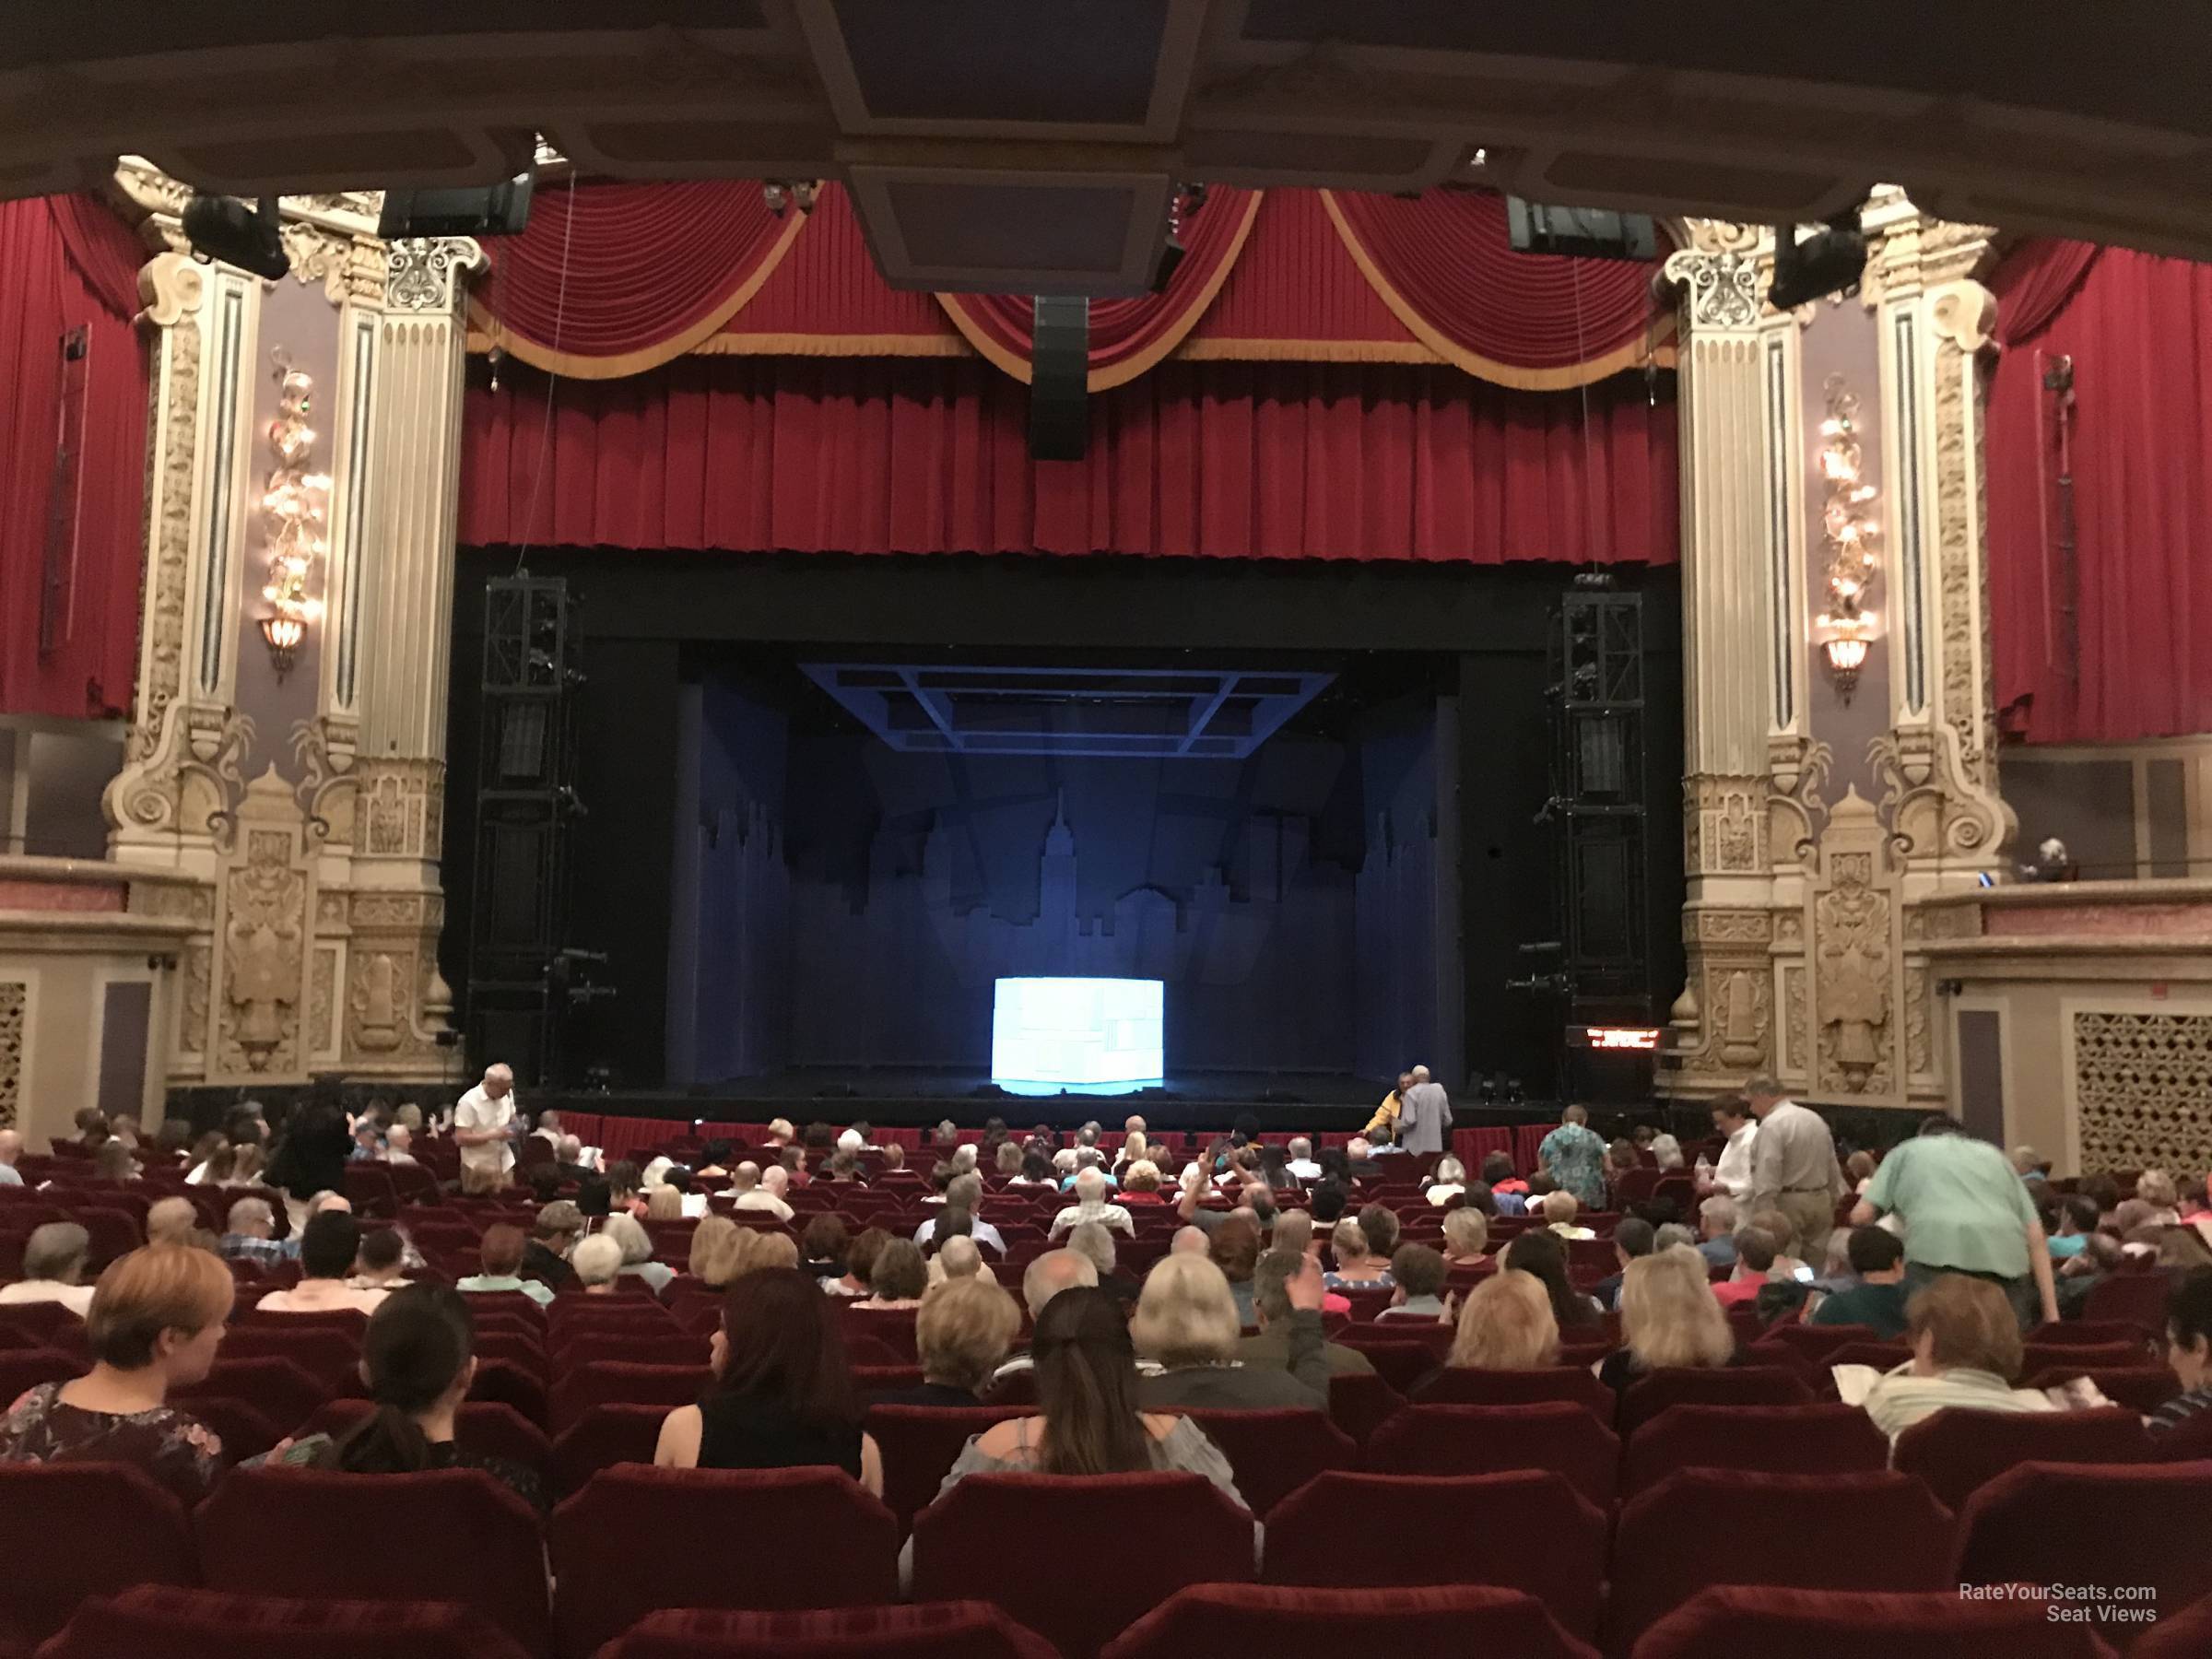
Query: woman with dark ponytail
x,y
418,1359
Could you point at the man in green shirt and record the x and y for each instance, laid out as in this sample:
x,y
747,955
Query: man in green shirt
x,y
1966,1211
1877,1301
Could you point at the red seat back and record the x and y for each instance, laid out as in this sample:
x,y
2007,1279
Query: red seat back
x,y
1360,1402
601,1438
26,1368
73,1530
1327,1624
2141,1388
1852,1624
1829,1439
1817,1342
48,1324
295,1533
2080,1356
1274,1453
1690,1386
504,1383
608,1382
920,1444
482,1427
1004,1537
1870,1531
1957,1453
1554,1546
1490,1440
154,1623
2134,1299
627,1544
244,1428
278,1389
2143,1528
967,1629
330,1356
1466,1385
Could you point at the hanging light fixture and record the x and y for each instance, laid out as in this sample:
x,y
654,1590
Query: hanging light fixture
x,y
294,512
1852,534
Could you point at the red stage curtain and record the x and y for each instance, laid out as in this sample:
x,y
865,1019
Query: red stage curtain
x,y
1538,321
2037,279
1127,336
67,263
1226,459
2139,330
651,270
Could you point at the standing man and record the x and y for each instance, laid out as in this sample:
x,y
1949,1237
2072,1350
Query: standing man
x,y
1574,1156
1966,1210
1424,1115
1732,1122
1385,1121
1794,1166
484,1123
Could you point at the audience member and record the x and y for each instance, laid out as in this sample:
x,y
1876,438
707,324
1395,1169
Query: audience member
x,y
380,1262
1506,1325
248,1235
53,1269
1732,1122
752,1191
1559,1210
1632,1237
418,1359
956,1258
860,1264
2077,1220
1466,1237
1357,1268
1293,1230
11,1150
545,1256
1966,1354
1672,1233
961,1335
1790,1261
1141,1183
114,1161
1667,1152
2188,1350
171,1222
717,1244
1047,1276
900,1277
1419,1273
822,1247
1794,1166
399,1143
1540,1252
1187,1239
1966,1210
1755,1259
1877,1299
1096,1243
636,1245
662,1201
1508,1191
1380,1223
500,1259
327,1247
1668,1318
783,1392
1272,1309
155,1323
1186,1321
1574,1157
1234,1247
1858,1170
597,1262
1448,1181
965,1193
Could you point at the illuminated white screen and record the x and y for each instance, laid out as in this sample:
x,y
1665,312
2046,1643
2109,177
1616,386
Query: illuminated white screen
x,y
1094,1036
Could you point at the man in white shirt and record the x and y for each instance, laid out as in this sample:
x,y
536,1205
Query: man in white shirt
x,y
484,1123
548,1129
54,1259
397,1139
11,1149
1732,1120
1300,1165
751,1194
1090,1206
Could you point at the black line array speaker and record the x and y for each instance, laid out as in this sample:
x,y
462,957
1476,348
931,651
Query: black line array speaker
x,y
1060,379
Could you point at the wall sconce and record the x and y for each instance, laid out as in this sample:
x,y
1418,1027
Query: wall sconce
x,y
1852,534
294,511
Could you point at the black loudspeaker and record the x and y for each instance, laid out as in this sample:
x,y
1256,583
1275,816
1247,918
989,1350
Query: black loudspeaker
x,y
1060,379
501,209
1592,232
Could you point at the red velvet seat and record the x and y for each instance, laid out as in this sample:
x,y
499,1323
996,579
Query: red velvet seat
x,y
1399,1363
2142,1524
1330,1623
449,1535
622,1382
501,1382
1957,1453
2133,1298
1693,1385
2084,1333
1464,1385
920,1444
1827,1438
243,1428
1817,1342
332,1357
662,1348
604,1437
2141,1388
1490,1440
1872,1531
1550,1542
2185,1635
154,1623
23,1369
1360,1402
893,1328
1005,1538
1274,1453
480,1426
1365,1301
629,1543
278,1389
1881,1355
73,1530
2079,1357
924,1630
48,1324
1728,1620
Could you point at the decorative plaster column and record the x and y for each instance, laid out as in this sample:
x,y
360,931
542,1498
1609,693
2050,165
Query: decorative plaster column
x,y
1743,679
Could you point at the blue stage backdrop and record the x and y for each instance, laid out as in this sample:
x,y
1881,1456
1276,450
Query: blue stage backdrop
x,y
838,903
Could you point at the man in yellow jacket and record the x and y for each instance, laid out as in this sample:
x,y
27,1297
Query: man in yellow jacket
x,y
1385,1121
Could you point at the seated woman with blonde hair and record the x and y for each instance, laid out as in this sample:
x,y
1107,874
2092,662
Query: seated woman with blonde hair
x,y
1140,1183
1466,1237
1669,1319
1449,1182
1506,1325
962,1335
1358,1268
597,1261
1187,1321
636,1245
1966,1352
718,1250
156,1319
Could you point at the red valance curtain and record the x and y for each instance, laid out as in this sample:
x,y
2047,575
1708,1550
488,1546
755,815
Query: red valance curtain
x,y
66,263
613,279
1127,336
2139,332
1222,459
1540,322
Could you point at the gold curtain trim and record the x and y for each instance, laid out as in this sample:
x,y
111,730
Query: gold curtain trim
x,y
834,345
1564,378
1142,362
582,366
1228,349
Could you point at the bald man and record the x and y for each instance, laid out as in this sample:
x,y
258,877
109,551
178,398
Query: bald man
x,y
1424,1117
171,1221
